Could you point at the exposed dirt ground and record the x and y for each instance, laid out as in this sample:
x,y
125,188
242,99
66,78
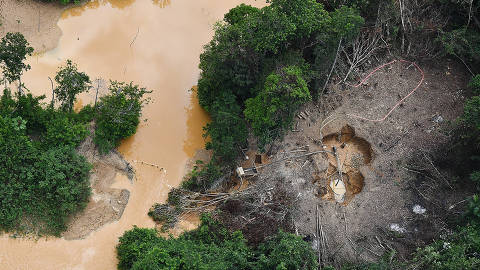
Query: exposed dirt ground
x,y
377,215
106,203
36,20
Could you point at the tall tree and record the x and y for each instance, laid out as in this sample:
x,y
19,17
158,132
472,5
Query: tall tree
x,y
14,49
119,114
71,82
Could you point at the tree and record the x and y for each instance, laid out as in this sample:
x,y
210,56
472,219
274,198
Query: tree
x,y
211,246
271,112
71,82
39,190
239,13
62,188
119,114
286,251
62,130
17,158
14,49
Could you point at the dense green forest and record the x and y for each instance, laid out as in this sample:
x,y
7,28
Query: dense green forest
x,y
212,246
43,180
262,64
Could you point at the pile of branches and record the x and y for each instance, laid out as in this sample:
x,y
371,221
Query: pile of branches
x,y
407,27
181,201
261,212
258,211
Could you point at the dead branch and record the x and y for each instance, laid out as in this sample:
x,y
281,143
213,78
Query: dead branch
x,y
333,67
135,38
364,45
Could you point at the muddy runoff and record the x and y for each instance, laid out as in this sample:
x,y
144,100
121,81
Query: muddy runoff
x,y
339,177
155,44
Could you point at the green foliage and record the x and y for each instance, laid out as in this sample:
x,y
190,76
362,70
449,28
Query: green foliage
x,y
28,108
239,13
475,177
458,252
39,189
63,130
473,208
71,82
210,246
134,244
227,132
286,252
86,114
271,111
118,114
463,43
14,49
202,176
63,187
475,84
471,114
345,23
367,8
246,49
17,157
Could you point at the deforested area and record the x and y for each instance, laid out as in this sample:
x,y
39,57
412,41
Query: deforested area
x,y
315,134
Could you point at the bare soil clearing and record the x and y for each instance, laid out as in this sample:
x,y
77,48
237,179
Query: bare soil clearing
x,y
106,203
381,192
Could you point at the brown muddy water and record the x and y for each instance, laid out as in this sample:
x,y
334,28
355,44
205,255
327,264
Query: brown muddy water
x,y
155,44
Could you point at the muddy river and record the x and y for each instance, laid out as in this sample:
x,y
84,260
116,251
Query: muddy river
x,y
156,44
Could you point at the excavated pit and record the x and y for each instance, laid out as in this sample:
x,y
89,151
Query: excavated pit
x,y
353,153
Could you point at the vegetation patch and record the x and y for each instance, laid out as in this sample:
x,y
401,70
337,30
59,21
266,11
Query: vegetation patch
x,y
212,246
43,180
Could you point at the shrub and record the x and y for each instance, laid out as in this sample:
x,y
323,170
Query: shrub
x,y
471,114
118,114
475,84
271,112
457,252
62,188
85,115
27,107
202,176
227,130
287,252
62,130
463,43
17,158
239,13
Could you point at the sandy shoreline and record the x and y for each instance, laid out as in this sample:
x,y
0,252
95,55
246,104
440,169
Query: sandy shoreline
x,y
36,20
